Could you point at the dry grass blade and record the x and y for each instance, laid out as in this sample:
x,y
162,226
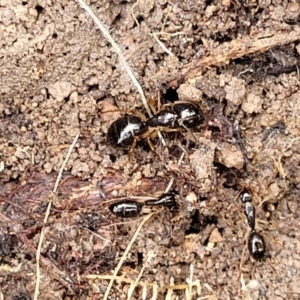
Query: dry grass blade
x,y
125,254
38,253
234,49
156,34
134,285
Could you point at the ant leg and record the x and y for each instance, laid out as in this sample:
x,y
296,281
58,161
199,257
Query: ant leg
x,y
193,136
152,147
166,129
150,135
151,103
159,105
140,115
132,149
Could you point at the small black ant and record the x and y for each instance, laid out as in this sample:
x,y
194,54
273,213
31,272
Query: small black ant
x,y
256,242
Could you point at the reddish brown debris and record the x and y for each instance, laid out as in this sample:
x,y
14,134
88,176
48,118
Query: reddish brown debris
x,y
74,192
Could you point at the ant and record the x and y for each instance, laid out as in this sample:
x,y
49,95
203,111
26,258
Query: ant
x,y
172,117
128,208
256,242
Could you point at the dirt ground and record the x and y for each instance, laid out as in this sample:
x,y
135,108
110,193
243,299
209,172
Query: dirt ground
x,y
239,60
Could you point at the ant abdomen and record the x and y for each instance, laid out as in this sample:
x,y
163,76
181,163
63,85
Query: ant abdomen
x,y
126,208
256,245
123,131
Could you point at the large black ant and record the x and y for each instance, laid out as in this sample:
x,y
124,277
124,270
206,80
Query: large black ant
x,y
178,116
126,208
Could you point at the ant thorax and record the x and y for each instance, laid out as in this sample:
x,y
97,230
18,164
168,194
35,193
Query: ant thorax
x,y
167,117
164,118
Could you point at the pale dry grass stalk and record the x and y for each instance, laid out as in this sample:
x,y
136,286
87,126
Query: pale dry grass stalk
x,y
121,58
135,283
117,49
38,253
132,14
125,254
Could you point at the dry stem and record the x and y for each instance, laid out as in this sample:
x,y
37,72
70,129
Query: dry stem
x,y
125,254
38,253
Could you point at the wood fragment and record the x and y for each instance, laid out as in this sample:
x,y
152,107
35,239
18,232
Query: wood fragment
x,y
238,48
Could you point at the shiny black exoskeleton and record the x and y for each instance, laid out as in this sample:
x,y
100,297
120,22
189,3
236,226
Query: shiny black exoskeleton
x,y
166,199
250,214
256,245
256,242
245,196
127,130
126,208
164,118
176,115
129,208
189,114
124,131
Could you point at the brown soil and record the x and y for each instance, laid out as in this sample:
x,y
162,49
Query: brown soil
x,y
239,60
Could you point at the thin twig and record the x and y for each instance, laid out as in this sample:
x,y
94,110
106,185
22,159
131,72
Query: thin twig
x,y
170,34
166,17
65,162
238,48
134,284
38,253
125,254
98,235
